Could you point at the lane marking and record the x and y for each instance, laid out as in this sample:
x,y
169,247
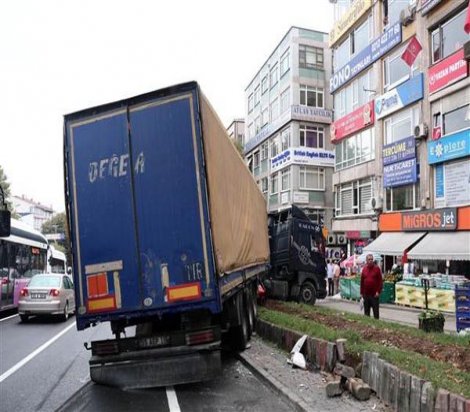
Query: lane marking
x,y
9,317
23,362
172,399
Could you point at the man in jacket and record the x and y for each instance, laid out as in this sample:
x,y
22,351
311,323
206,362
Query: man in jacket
x,y
371,286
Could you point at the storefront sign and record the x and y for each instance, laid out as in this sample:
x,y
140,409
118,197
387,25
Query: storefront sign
x,y
367,56
409,92
437,219
400,173
448,71
300,197
311,114
400,150
357,9
452,184
449,147
358,234
353,122
303,156
428,5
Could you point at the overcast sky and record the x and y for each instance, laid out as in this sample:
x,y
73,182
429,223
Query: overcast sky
x,y
60,56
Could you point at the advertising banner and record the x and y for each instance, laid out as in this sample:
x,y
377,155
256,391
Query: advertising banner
x,y
303,156
370,54
448,71
400,150
401,173
449,147
311,114
428,5
409,92
452,184
352,122
434,219
357,9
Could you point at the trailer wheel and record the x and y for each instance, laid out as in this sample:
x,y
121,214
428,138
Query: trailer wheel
x,y
240,333
251,311
24,318
308,294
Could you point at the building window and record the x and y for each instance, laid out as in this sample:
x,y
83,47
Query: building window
x,y
257,124
285,179
264,185
311,96
316,215
402,197
257,95
361,36
449,37
274,75
356,149
274,146
274,183
396,71
264,151
310,57
264,117
312,136
250,103
285,139
251,131
394,9
285,63
274,109
264,85
353,198
311,178
256,163
457,119
342,54
354,95
285,100
400,125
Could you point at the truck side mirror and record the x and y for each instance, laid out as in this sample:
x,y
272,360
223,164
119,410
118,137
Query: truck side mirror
x,y
5,223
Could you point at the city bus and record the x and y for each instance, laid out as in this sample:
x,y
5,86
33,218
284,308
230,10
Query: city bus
x,y
56,261
22,255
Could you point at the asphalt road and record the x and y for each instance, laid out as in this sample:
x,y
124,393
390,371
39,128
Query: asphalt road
x,y
44,367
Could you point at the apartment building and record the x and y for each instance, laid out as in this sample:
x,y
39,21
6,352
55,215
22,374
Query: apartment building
x,y
288,114
236,131
401,126
31,212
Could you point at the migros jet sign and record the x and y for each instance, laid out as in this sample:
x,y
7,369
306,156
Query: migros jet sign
x,y
432,220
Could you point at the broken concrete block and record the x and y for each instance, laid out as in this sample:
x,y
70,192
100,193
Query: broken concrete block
x,y
344,370
330,356
404,390
359,389
366,366
456,403
415,393
333,389
393,378
428,393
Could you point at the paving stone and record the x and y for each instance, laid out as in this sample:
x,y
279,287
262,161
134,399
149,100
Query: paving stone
x,y
330,356
428,394
456,403
415,393
341,350
366,367
393,378
333,389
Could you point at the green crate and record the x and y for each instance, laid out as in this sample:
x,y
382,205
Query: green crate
x,y
388,293
345,288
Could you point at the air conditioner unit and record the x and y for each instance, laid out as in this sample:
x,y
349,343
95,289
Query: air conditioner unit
x,y
375,203
466,51
407,15
331,240
421,131
342,239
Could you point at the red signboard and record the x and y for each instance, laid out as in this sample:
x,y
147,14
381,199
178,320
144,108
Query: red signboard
x,y
447,71
352,122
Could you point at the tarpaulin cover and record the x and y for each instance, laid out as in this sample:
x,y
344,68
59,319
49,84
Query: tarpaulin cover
x,y
237,207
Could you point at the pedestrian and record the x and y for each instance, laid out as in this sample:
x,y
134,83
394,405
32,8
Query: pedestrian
x,y
336,276
371,286
330,274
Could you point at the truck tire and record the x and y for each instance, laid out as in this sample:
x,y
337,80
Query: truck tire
x,y
240,333
250,305
24,318
308,294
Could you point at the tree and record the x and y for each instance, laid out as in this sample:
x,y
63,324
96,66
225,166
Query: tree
x,y
6,191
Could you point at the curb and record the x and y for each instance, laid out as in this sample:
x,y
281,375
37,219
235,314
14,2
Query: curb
x,y
257,369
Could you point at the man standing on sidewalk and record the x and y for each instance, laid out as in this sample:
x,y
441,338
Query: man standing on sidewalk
x,y
371,286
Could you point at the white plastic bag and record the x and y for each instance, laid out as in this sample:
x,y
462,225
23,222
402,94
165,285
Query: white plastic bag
x,y
361,303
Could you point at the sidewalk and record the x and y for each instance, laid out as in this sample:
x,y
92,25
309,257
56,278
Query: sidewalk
x,y
394,313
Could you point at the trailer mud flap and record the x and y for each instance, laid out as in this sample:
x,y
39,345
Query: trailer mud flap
x,y
148,372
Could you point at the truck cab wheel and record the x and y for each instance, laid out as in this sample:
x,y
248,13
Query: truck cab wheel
x,y
308,293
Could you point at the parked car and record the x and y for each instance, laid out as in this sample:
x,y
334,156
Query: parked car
x,y
47,294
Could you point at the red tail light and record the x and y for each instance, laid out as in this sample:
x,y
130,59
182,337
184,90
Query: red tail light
x,y
54,292
197,338
24,292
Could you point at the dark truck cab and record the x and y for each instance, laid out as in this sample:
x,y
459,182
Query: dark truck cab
x,y
298,266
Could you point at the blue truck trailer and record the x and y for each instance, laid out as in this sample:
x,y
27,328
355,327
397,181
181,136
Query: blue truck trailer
x,y
168,236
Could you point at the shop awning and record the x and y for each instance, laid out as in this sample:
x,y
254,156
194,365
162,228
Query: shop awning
x,y
393,243
443,246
